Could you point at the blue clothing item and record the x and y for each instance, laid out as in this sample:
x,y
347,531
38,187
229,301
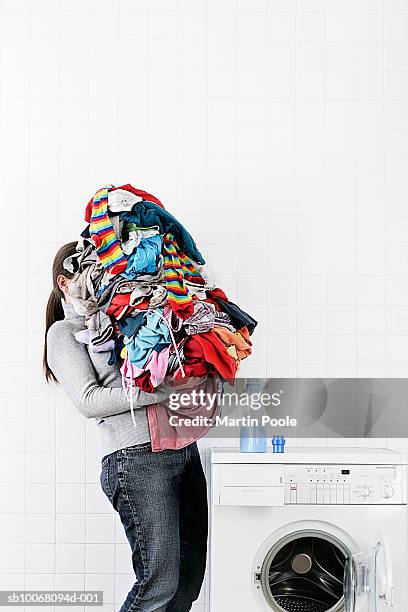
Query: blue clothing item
x,y
115,353
143,260
147,214
142,343
159,347
239,317
101,289
161,499
131,325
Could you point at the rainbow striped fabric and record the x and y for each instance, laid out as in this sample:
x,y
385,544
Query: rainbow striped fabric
x,y
103,234
190,272
178,295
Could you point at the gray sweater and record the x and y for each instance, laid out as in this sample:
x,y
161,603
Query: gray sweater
x,y
95,388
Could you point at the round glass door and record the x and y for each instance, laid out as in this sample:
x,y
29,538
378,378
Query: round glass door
x,y
304,572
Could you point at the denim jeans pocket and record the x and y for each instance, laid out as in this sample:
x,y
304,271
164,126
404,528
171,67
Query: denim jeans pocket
x,y
105,477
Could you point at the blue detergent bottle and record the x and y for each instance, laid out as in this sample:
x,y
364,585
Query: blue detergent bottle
x,y
253,438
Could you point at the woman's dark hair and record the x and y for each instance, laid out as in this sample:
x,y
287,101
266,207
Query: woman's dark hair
x,y
54,311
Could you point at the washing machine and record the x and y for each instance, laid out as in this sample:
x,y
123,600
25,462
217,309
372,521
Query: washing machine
x,y
310,530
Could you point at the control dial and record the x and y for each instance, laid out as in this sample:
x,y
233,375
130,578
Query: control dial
x,y
365,492
387,491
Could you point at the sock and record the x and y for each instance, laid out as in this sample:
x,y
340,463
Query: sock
x,y
178,295
189,270
103,234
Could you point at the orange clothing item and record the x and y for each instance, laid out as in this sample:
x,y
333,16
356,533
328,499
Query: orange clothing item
x,y
237,339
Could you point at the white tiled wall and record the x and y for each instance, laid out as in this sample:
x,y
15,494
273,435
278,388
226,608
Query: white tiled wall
x,y
277,130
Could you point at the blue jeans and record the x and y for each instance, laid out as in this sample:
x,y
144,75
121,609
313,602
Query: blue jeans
x,y
161,499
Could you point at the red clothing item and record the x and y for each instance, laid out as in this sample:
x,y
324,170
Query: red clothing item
x,y
217,294
143,381
119,305
214,295
216,304
192,369
208,348
138,192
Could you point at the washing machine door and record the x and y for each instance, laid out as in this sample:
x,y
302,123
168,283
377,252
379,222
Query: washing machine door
x,y
368,584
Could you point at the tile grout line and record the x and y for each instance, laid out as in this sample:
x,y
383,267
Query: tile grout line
x,y
27,216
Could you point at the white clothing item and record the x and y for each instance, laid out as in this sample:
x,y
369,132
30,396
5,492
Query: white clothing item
x,y
120,199
135,238
206,274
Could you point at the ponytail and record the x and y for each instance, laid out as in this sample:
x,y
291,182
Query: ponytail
x,y
54,311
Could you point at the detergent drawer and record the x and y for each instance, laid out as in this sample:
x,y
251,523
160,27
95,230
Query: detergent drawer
x,y
250,475
251,496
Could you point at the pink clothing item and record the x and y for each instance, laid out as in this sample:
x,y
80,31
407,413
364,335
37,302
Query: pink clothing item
x,y
157,364
174,434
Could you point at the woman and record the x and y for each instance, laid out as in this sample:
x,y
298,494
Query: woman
x,y
161,497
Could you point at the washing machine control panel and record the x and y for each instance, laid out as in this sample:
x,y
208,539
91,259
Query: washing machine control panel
x,y
343,484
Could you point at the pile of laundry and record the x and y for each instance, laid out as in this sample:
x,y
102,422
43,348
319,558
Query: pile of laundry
x,y
147,295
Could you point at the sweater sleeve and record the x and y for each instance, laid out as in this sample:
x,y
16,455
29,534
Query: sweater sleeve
x,y
71,365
